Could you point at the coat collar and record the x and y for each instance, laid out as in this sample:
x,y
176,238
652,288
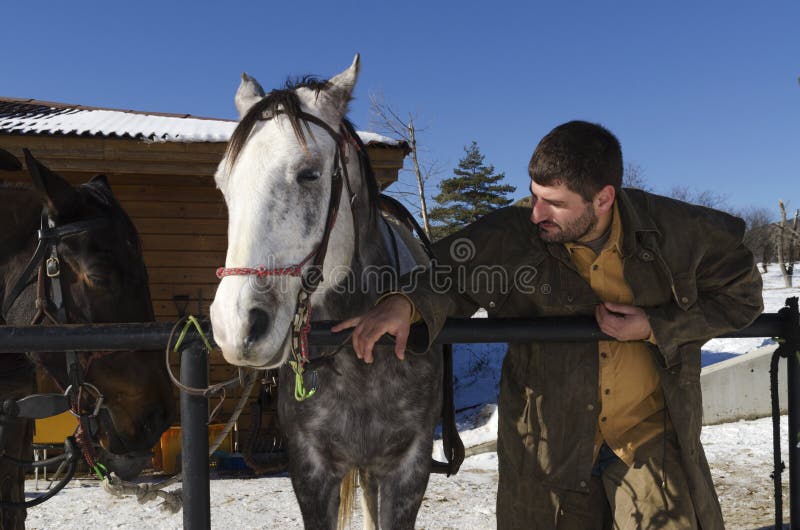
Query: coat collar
x,y
637,224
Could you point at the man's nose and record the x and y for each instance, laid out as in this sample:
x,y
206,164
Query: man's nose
x,y
537,212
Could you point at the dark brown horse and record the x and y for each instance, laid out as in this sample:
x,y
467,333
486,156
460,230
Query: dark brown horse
x,y
71,255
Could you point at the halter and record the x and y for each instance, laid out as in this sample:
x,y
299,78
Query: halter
x,y
51,310
310,276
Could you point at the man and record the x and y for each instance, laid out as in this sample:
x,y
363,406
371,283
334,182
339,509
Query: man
x,y
591,433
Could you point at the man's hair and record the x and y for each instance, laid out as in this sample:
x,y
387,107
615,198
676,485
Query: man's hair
x,y
584,156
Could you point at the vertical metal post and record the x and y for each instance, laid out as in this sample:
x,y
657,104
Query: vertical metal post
x,y
792,338
194,439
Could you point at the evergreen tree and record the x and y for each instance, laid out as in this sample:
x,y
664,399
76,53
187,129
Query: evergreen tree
x,y
473,191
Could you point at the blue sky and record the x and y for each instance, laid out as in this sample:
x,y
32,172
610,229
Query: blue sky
x,y
701,94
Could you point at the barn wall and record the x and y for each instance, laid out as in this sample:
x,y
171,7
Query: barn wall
x,y
169,192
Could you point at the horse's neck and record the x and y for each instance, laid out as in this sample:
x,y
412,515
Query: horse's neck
x,y
371,253
19,217
19,220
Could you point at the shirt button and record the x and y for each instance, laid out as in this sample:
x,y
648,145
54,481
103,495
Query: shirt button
x,y
589,407
595,267
583,483
491,304
603,355
607,391
685,300
603,418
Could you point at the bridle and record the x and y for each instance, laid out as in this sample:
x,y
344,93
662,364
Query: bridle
x,y
44,267
311,276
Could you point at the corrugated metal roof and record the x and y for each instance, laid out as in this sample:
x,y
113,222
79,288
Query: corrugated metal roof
x,y
28,116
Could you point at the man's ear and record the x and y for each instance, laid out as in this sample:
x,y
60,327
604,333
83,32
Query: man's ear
x,y
603,201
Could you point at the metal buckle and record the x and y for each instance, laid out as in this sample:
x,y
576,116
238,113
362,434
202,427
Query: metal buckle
x,y
52,267
98,402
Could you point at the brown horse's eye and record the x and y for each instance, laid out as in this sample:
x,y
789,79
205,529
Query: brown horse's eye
x,y
99,280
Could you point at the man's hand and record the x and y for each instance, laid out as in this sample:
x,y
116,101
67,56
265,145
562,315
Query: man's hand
x,y
392,315
623,322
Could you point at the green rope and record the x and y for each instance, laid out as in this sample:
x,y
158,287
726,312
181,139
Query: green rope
x,y
100,470
192,321
301,393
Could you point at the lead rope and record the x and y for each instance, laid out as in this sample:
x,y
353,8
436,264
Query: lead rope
x,y
301,326
173,500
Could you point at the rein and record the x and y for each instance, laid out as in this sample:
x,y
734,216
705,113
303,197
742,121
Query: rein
x,y
51,310
310,276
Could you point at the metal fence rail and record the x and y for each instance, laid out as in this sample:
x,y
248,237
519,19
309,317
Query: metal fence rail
x,y
154,335
194,372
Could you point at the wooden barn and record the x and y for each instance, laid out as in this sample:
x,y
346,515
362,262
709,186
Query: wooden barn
x,y
161,168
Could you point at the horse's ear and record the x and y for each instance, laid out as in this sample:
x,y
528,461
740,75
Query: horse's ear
x,y
57,194
343,84
248,94
101,180
9,162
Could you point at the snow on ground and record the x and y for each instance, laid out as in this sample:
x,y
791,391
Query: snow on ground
x,y
740,455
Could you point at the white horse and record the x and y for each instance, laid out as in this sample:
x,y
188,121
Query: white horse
x,y
292,162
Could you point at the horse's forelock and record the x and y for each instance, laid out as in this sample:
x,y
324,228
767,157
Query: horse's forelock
x,y
284,101
103,197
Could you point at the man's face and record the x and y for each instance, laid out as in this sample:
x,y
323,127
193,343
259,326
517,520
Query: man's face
x,y
561,215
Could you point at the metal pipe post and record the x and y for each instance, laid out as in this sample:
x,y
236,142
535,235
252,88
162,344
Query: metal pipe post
x,y
194,439
791,335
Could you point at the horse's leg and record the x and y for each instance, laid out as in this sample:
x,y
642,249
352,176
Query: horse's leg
x,y
402,489
369,499
16,436
317,490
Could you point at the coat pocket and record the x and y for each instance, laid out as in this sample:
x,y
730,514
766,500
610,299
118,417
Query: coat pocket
x,y
684,289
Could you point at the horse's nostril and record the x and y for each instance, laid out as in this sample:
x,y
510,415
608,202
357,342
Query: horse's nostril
x,y
259,323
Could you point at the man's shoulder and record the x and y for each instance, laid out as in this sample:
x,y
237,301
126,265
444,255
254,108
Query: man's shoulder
x,y
673,216
494,233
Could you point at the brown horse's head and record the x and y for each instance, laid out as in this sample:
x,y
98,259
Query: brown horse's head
x,y
103,279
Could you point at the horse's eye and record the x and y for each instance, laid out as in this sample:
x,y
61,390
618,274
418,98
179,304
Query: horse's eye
x,y
308,175
99,280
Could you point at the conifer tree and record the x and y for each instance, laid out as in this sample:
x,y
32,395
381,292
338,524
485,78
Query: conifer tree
x,y
473,191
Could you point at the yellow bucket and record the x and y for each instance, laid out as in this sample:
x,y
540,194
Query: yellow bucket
x,y
168,452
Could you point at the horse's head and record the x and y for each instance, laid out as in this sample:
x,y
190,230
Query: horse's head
x,y
278,180
89,269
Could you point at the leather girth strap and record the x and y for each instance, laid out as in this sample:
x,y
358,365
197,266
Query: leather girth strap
x,y
452,446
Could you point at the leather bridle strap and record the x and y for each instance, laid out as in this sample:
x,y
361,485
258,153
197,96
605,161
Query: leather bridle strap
x,y
47,235
45,259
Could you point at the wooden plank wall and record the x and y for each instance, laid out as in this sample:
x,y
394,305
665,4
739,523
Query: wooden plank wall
x,y
169,192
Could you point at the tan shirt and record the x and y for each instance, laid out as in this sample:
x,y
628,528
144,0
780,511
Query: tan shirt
x,y
631,400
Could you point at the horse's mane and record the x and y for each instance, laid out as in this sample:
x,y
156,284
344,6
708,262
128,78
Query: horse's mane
x,y
287,102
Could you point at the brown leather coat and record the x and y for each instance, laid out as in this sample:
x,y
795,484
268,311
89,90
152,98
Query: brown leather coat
x,y
686,266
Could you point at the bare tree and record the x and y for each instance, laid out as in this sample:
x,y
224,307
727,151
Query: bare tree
x,y
389,121
633,177
759,234
795,239
787,276
707,198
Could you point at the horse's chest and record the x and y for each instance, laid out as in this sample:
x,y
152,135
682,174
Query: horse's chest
x,y
363,414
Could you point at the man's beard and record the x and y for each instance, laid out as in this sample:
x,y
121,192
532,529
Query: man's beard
x,y
572,231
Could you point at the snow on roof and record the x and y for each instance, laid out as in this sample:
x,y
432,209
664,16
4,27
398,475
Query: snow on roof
x,y
28,116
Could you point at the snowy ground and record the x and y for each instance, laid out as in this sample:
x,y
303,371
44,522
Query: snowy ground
x,y
740,455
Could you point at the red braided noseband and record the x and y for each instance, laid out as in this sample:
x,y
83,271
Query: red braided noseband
x,y
261,272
